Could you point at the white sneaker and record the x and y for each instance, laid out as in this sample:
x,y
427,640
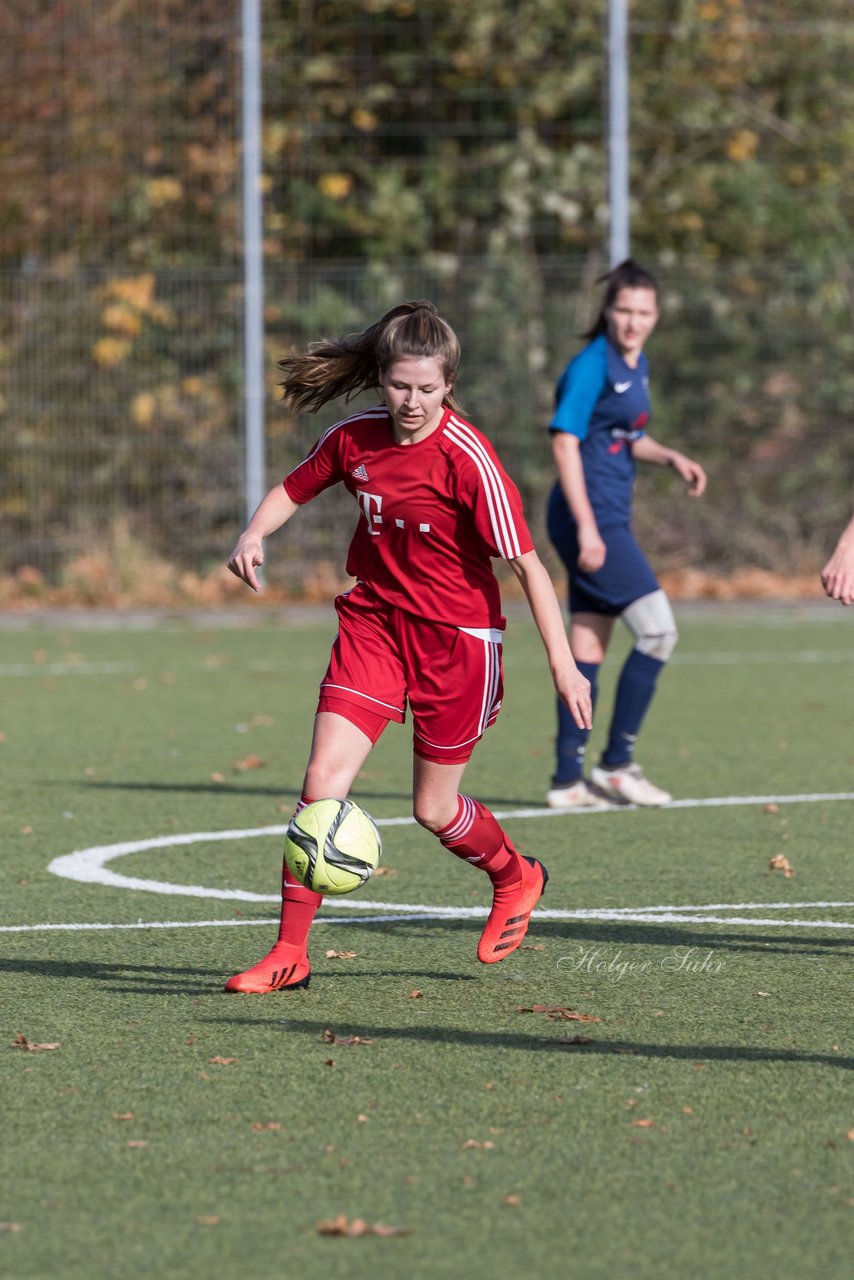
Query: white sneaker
x,y
628,784
576,795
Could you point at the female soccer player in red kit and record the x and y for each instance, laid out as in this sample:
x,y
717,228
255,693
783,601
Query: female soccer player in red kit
x,y
422,626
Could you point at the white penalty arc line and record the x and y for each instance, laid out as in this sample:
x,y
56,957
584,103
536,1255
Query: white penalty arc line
x,y
89,866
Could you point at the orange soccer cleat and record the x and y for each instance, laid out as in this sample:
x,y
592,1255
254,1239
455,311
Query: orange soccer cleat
x,y
286,968
511,911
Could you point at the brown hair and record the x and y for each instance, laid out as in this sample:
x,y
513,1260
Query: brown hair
x,y
626,275
346,366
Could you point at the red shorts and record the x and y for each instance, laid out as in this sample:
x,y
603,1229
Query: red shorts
x,y
383,659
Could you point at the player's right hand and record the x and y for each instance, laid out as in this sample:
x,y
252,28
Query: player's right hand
x,y
591,551
246,557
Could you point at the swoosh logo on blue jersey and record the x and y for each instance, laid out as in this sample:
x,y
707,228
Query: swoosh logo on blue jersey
x,y
620,387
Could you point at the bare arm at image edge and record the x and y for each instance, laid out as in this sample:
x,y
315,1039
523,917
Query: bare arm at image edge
x,y
837,576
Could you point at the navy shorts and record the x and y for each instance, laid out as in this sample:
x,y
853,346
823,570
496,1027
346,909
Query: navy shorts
x,y
624,577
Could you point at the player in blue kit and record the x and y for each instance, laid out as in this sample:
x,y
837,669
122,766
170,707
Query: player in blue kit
x,y
599,433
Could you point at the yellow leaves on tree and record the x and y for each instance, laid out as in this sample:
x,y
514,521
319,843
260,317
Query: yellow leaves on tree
x,y
163,191
742,146
108,352
336,186
130,302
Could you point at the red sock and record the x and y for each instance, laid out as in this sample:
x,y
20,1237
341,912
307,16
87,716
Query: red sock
x,y
299,904
475,836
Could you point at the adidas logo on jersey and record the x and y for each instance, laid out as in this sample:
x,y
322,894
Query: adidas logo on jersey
x,y
360,472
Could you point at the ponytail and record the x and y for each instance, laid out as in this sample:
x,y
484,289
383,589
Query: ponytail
x,y
346,366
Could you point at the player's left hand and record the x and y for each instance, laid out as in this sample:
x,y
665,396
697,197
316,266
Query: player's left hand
x,y
691,472
837,576
575,692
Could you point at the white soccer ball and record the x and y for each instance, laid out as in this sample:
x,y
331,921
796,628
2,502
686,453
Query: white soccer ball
x,y
332,846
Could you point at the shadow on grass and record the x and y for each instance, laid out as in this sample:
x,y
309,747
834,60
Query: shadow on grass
x,y
630,933
172,980
578,1039
236,789
135,979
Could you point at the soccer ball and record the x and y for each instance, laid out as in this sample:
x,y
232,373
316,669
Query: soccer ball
x,y
332,846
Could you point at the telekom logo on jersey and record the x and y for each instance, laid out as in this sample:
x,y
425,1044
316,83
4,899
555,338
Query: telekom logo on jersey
x,y
371,506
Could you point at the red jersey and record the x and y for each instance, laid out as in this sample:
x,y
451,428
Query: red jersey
x,y
432,514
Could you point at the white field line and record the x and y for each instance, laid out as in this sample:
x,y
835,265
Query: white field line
x,y
90,866
68,668
728,657
724,657
649,916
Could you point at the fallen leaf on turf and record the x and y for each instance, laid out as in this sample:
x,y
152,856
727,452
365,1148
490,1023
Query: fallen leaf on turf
x,y
208,1220
329,1037
217,777
763,993
571,1040
850,1135
222,1062
781,863
329,1062
772,808
260,1125
479,1146
341,955
533,946
123,1115
643,1124
138,1142
358,1227
617,1049
21,1042
10,1226
362,1118
513,1200
385,871
558,1013
249,762
338,1227
415,994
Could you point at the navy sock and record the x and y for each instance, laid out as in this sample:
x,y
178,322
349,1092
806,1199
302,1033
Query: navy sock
x,y
571,742
635,690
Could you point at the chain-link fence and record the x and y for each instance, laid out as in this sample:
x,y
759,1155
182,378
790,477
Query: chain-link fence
x,y
409,151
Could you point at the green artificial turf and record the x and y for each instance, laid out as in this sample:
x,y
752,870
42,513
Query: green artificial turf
x,y
628,1094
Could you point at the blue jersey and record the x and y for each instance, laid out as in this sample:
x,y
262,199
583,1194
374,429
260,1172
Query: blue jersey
x,y
605,403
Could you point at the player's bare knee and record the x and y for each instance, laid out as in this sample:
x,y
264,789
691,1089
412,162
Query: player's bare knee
x,y
322,782
653,626
427,816
432,813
